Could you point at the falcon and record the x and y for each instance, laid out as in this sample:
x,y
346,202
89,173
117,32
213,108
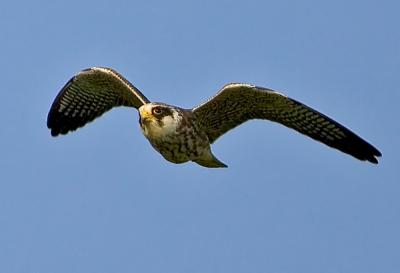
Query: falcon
x,y
182,135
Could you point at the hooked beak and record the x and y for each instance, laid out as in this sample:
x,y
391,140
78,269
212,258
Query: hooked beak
x,y
144,117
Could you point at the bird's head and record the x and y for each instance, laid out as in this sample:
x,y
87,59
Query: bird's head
x,y
158,119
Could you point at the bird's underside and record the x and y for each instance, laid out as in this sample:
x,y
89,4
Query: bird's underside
x,y
182,135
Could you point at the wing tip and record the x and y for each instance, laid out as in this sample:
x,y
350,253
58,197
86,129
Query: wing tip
x,y
372,160
373,157
55,130
54,133
59,124
365,152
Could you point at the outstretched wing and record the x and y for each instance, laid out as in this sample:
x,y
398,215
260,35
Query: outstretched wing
x,y
237,103
88,95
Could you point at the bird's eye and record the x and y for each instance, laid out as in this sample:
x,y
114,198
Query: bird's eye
x,y
157,111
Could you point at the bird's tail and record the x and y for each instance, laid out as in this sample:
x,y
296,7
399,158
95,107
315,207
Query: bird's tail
x,y
210,161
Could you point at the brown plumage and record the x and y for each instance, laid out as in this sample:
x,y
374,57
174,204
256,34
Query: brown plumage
x,y
182,135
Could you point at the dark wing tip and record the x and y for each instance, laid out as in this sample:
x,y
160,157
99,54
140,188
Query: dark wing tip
x,y
60,124
54,133
59,121
357,147
54,116
373,160
373,155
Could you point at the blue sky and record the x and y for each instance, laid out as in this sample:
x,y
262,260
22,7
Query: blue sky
x,y
102,200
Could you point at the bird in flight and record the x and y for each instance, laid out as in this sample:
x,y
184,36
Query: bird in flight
x,y
182,135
